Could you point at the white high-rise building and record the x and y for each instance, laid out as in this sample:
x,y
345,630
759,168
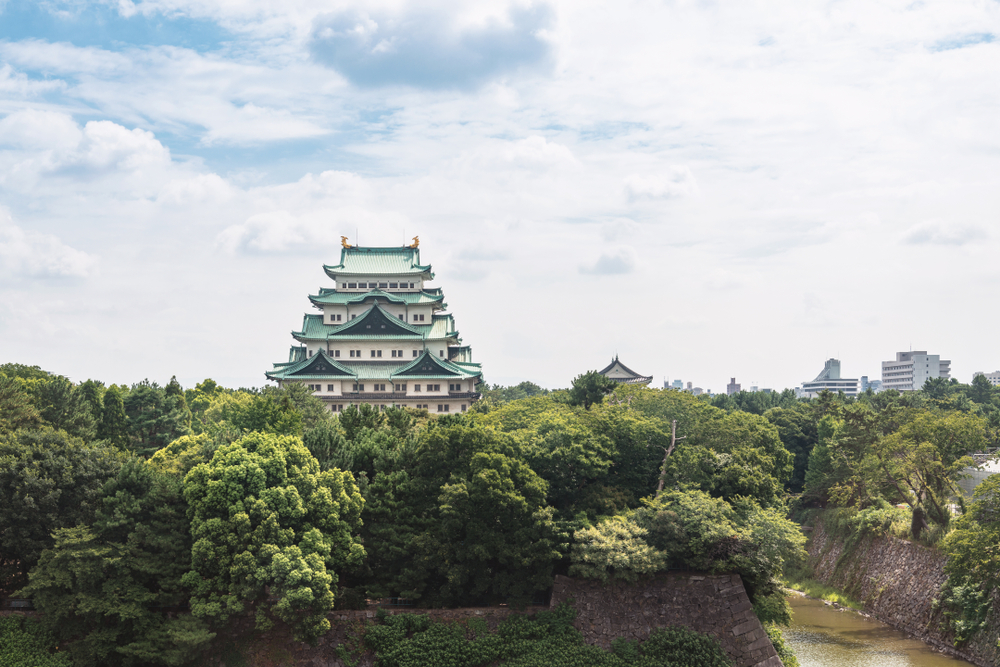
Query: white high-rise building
x,y
993,377
910,370
829,379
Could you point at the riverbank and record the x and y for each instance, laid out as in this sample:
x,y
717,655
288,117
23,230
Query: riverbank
x,y
896,582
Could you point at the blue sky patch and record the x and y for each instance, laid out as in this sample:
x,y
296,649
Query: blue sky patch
x,y
104,27
963,41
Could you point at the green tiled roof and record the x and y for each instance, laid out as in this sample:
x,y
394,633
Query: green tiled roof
x,y
313,328
373,370
398,261
429,366
333,297
320,365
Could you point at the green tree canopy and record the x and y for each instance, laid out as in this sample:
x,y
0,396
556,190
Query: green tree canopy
x,y
589,388
154,417
106,590
48,480
270,530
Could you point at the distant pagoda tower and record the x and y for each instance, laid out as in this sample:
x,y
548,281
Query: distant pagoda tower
x,y
619,372
382,338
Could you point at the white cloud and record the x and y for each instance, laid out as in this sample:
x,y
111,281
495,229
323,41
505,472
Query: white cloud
x,y
107,145
16,84
283,232
618,229
941,233
26,255
39,129
203,188
614,262
675,182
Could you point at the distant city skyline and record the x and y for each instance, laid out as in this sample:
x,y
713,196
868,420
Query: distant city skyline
x,y
706,190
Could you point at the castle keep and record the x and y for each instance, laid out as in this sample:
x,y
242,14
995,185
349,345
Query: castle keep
x,y
381,337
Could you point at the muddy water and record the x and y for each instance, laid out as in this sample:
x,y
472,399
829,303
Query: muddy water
x,y
824,637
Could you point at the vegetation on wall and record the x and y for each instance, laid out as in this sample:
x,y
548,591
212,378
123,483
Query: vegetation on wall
x,y
546,640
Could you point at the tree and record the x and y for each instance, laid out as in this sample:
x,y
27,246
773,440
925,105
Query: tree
x,y
270,530
358,417
798,434
274,413
24,372
614,548
497,538
312,410
106,589
155,418
458,517
972,545
63,406
113,426
981,390
48,480
16,408
558,445
589,388
918,464
93,394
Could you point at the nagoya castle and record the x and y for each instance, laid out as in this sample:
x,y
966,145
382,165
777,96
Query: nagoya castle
x,y
382,337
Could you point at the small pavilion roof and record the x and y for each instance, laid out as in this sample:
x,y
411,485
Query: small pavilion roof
x,y
395,261
623,373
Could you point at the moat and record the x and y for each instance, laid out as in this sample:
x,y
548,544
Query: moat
x,y
823,636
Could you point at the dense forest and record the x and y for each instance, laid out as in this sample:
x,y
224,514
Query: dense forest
x,y
141,519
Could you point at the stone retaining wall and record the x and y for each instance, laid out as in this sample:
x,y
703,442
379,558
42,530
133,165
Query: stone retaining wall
x,y
716,605
276,647
897,581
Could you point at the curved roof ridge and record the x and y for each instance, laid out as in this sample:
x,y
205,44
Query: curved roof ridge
x,y
616,361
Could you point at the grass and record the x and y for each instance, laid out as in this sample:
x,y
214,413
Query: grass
x,y
819,590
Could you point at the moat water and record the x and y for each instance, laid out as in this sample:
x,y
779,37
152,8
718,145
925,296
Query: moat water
x,y
822,636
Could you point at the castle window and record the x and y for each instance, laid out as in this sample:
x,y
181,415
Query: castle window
x,y
441,352
352,285
352,354
311,352
393,285
329,387
463,407
383,285
415,352
343,285
401,316
336,353
416,387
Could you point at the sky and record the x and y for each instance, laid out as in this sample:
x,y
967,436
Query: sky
x,y
706,189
